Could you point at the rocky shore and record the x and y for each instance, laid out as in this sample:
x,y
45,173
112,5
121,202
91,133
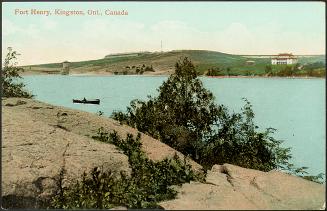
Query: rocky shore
x,y
41,142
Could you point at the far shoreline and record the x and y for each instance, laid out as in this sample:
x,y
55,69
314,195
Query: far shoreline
x,y
167,75
273,77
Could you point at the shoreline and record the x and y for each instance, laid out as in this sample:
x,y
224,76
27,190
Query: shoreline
x,y
167,75
273,77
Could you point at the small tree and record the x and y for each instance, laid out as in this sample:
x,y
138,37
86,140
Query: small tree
x,y
214,72
180,116
268,69
228,71
10,74
188,108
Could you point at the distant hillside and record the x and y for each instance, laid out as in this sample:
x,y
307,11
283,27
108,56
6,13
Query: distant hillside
x,y
163,63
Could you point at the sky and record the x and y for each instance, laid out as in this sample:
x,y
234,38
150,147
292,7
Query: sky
x,y
252,28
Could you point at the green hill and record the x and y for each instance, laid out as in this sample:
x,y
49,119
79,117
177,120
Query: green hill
x,y
163,63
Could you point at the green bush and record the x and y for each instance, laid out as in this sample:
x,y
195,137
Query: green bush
x,y
237,141
149,69
314,65
185,117
215,72
149,183
10,76
316,69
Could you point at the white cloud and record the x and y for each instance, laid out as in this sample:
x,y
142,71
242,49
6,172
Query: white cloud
x,y
178,35
49,24
235,38
32,31
8,27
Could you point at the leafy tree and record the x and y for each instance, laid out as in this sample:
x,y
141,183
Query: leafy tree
x,y
310,71
209,72
183,111
185,117
268,69
149,68
297,66
10,75
237,141
287,71
248,72
314,65
214,72
228,70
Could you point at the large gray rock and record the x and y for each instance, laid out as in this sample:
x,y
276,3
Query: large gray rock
x,y
87,124
233,187
41,140
34,154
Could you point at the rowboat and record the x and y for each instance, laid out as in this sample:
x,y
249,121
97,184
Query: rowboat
x,y
85,101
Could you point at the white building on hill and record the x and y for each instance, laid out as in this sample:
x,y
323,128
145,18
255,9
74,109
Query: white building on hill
x,y
283,58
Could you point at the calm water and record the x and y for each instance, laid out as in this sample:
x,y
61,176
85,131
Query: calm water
x,y
295,107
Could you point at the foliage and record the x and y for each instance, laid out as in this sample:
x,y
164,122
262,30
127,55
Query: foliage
x,y
100,113
314,65
320,72
185,117
214,72
10,75
316,69
149,182
228,70
143,68
318,178
149,68
268,69
288,70
182,111
236,141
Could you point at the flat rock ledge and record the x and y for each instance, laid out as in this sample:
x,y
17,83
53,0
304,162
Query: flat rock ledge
x,y
232,187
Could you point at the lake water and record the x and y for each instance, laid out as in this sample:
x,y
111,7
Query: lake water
x,y
295,107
